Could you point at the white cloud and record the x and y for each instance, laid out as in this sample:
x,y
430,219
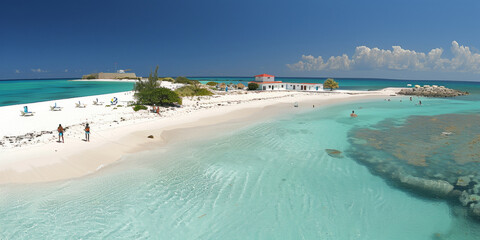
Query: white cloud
x,y
463,60
38,70
66,70
17,71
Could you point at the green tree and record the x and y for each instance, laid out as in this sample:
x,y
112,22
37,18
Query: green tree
x,y
158,96
149,84
148,92
330,83
252,86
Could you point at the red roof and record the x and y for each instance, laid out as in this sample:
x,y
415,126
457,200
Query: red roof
x,y
264,75
265,82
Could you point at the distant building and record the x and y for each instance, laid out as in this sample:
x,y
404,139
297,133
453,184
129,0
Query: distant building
x,y
121,74
267,82
264,78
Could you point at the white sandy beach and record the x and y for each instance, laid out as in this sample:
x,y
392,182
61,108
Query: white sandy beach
x,y
29,150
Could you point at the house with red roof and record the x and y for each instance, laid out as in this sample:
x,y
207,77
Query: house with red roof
x,y
267,82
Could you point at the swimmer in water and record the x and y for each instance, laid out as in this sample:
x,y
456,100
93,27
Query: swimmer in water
x,y
353,114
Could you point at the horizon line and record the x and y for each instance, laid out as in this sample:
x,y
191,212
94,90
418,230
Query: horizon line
x,y
371,78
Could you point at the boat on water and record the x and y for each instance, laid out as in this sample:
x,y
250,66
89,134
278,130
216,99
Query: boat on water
x,y
409,85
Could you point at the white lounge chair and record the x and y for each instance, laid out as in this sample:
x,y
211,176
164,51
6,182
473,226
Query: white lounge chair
x,y
80,105
96,102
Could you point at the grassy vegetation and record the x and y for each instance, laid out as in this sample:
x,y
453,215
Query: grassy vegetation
x,y
136,108
191,90
212,84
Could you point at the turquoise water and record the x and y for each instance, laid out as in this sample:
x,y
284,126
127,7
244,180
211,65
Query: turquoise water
x,y
272,180
28,91
355,83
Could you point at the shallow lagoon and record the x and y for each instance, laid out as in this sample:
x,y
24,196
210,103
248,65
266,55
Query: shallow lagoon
x,y
272,180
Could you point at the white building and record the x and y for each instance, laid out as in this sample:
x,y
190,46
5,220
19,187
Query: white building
x,y
264,78
267,82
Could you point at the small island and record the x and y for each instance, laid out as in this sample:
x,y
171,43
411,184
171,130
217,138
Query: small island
x,y
431,91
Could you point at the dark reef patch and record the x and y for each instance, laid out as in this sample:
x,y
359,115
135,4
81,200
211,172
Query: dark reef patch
x,y
435,156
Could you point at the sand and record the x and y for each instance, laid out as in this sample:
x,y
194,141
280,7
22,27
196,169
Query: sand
x,y
29,150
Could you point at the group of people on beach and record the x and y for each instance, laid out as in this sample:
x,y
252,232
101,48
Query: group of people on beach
x,y
61,130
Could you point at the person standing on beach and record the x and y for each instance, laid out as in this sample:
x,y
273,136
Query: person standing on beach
x,y
60,133
87,133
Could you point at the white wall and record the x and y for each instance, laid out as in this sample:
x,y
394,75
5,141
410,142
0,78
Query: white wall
x,y
272,86
264,79
307,87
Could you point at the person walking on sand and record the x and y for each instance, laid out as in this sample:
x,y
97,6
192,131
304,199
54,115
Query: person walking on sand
x,y
87,133
60,133
353,114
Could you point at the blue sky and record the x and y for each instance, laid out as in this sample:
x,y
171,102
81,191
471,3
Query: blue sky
x,y
435,39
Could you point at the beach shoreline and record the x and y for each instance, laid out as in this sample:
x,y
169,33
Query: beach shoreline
x,y
48,160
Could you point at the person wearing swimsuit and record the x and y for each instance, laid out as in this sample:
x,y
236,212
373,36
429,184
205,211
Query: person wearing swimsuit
x,y
87,133
60,133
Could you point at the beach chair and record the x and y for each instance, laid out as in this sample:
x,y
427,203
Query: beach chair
x,y
80,105
25,112
55,108
96,102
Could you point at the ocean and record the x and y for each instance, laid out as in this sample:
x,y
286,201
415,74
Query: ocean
x,y
313,175
29,91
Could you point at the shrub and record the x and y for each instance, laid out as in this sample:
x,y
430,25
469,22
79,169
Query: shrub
x,y
136,108
195,82
203,92
252,86
213,84
188,91
183,80
158,96
185,91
